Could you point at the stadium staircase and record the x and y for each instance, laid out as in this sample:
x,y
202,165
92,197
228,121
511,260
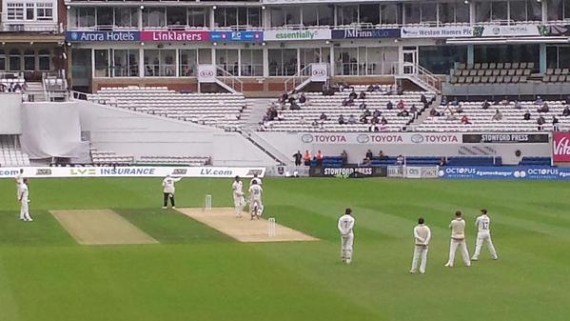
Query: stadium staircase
x,y
228,81
423,114
35,91
420,76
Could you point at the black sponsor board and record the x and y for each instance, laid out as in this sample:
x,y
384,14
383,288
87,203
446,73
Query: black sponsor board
x,y
348,171
504,138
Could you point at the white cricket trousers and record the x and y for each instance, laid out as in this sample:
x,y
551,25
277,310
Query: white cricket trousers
x,y
239,203
420,257
259,206
24,211
484,238
464,253
346,243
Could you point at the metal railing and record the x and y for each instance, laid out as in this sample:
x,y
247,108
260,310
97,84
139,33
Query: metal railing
x,y
294,81
229,80
419,74
428,77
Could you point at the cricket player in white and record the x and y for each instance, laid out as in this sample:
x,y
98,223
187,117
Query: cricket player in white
x,y
345,227
255,179
422,236
168,190
255,205
24,200
483,224
19,181
457,227
239,200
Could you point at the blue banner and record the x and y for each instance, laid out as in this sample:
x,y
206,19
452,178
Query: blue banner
x,y
365,33
251,36
101,36
505,172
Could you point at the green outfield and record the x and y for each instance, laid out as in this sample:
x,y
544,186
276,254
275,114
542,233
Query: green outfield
x,y
196,273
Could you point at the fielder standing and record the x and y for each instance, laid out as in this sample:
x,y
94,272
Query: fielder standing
x,y
239,200
256,205
483,224
422,236
23,197
457,227
345,227
168,190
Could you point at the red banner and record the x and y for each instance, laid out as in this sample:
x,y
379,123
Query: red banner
x,y
561,147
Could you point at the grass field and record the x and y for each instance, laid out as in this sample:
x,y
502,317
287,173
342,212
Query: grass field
x,y
196,273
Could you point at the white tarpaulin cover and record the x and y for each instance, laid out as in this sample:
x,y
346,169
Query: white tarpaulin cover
x,y
50,130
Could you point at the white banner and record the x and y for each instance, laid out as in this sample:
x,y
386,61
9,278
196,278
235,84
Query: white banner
x,y
289,35
206,73
132,171
510,31
413,171
319,72
436,32
380,138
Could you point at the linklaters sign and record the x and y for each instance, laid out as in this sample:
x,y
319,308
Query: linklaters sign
x,y
505,138
290,35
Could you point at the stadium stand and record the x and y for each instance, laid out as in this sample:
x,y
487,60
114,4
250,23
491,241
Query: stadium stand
x,y
309,116
218,109
512,117
172,160
11,153
108,157
492,73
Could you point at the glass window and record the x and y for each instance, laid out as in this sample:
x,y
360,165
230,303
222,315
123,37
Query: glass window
x,y
390,13
160,63
226,17
197,17
534,10
369,13
555,10
251,62
176,16
446,12
310,15
205,56
462,13
126,63
507,53
566,9
44,11
242,17
517,10
429,13
85,17
285,16
126,17
105,16
346,61
282,62
15,11
2,60
413,13
29,60
29,11
44,57
188,62
440,59
154,17
15,60
227,59
499,10
254,17
102,63
563,57
347,14
483,11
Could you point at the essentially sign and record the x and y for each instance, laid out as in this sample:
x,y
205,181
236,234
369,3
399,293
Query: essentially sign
x,y
100,36
505,172
251,36
380,138
134,171
288,35
319,72
348,171
505,138
206,73
175,36
507,31
365,33
437,32
561,147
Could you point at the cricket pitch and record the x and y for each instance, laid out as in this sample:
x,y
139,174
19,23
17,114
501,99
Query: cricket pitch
x,y
101,227
243,229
